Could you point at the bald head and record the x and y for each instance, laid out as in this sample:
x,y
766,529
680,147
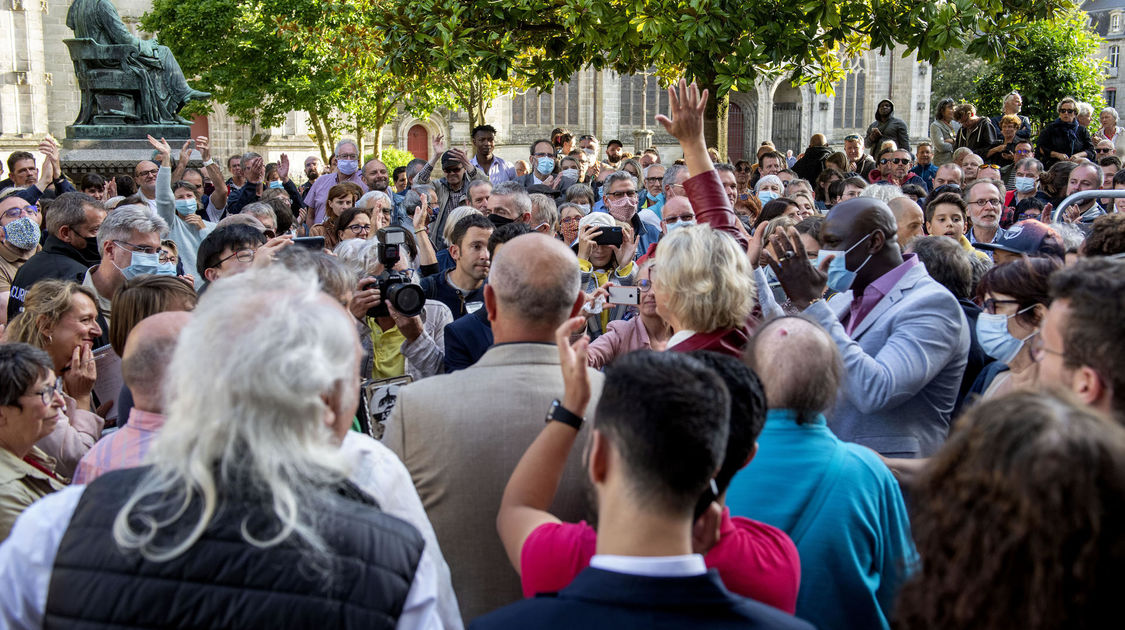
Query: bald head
x,y
908,219
798,363
864,214
534,283
148,350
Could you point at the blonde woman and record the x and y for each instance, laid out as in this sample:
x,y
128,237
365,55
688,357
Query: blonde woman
x,y
61,318
704,289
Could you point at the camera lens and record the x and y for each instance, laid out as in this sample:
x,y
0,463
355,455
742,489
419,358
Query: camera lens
x,y
407,298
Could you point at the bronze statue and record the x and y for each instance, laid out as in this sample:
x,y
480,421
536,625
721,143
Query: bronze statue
x,y
124,80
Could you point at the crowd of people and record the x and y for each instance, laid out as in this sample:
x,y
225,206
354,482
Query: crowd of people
x,y
869,388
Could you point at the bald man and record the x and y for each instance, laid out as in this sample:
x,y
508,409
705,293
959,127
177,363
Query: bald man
x,y
148,350
903,337
909,218
853,552
461,435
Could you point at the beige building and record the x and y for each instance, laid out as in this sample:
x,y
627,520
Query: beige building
x,y
39,95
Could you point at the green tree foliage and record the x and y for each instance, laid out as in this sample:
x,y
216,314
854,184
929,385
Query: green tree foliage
x,y
265,58
723,44
955,77
1052,59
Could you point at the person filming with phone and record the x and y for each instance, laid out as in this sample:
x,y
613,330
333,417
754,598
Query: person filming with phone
x,y
605,255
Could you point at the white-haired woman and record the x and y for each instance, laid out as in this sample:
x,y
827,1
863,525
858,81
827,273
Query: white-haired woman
x,y
246,516
1108,129
393,344
768,188
704,289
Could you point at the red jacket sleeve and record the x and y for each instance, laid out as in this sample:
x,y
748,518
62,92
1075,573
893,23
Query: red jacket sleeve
x,y
709,200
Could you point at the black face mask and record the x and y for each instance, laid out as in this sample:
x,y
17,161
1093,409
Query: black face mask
x,y
90,253
499,220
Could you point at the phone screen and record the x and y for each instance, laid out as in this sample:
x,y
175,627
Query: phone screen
x,y
624,295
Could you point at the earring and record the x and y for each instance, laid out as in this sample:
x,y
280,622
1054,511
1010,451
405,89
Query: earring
x,y
50,339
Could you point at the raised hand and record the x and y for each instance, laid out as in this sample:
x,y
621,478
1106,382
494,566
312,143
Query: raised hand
x,y
421,214
283,168
625,252
185,152
802,281
686,105
572,360
204,148
586,240
439,144
163,148
81,372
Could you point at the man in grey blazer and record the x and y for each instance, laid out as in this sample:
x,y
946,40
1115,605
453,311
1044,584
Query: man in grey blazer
x,y
461,435
903,337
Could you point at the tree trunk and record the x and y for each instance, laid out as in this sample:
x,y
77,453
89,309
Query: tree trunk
x,y
359,142
716,119
378,146
321,136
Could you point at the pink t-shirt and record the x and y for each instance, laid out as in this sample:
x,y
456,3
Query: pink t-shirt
x,y
754,560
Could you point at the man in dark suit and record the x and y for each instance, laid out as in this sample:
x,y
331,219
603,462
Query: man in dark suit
x,y
544,169
657,441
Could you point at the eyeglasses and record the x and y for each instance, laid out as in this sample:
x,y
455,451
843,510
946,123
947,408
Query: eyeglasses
x,y
685,217
990,304
895,160
148,173
242,256
632,194
452,169
48,393
1039,350
15,213
743,169
980,203
359,229
140,249
166,257
1068,110
653,180
645,285
347,156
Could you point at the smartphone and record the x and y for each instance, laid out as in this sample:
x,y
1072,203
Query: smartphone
x,y
624,295
610,236
315,243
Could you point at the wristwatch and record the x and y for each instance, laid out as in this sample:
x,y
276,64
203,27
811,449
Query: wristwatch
x,y
558,413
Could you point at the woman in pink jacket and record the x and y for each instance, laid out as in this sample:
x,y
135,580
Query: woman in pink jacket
x,y
647,330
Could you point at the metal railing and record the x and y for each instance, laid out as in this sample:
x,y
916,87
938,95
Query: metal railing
x,y
1083,196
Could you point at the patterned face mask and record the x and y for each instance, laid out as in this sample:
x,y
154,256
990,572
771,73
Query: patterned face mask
x,y
22,233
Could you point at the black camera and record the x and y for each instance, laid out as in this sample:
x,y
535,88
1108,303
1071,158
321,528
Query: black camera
x,y
395,287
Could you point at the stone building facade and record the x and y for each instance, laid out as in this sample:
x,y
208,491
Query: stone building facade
x,y
1107,18
39,95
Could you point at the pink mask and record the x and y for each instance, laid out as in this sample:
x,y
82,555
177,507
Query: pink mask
x,y
621,209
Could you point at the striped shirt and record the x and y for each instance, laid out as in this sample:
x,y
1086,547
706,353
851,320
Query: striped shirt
x,y
124,448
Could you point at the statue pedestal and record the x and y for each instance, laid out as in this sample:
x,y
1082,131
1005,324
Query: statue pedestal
x,y
642,139
117,151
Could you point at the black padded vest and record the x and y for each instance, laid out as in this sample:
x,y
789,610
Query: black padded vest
x,y
224,582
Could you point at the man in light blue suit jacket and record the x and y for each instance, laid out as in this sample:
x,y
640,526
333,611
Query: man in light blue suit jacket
x,y
902,336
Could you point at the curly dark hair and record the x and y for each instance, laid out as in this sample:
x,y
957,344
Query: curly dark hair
x,y
1107,236
1019,520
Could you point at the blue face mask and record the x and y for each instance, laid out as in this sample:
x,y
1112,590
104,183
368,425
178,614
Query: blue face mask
x,y
276,184
994,338
840,279
142,263
347,167
545,165
185,207
767,196
672,227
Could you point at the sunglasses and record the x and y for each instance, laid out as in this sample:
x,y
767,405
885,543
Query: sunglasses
x,y
1103,150
1068,110
895,160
